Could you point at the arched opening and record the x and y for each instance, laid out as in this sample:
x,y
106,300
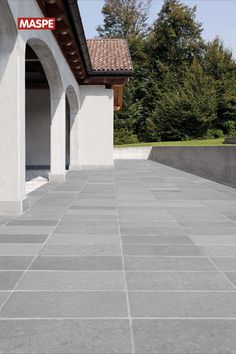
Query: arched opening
x,y
37,121
44,90
72,138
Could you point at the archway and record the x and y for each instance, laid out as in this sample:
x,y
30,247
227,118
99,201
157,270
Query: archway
x,y
45,112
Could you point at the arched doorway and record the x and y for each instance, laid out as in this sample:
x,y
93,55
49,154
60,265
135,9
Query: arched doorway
x,y
37,122
45,114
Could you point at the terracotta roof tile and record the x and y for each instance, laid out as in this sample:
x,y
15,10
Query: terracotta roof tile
x,y
110,55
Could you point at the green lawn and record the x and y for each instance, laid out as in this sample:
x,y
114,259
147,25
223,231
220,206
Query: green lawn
x,y
207,142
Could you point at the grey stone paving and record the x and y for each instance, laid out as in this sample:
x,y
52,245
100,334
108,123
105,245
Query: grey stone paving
x,y
139,259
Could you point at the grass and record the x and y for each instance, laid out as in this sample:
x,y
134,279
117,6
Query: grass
x,y
204,142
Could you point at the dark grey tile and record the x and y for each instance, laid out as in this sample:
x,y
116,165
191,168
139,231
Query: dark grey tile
x,y
158,231
8,279
226,264
214,240
26,230
219,250
65,304
65,337
19,249
22,238
159,240
81,250
77,263
14,262
3,297
184,336
72,280
183,304
161,250
232,277
211,231
83,239
18,222
168,263
74,229
177,281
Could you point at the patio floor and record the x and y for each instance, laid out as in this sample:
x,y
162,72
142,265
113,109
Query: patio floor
x,y
139,259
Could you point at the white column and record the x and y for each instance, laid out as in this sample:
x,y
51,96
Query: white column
x,y
74,141
12,127
58,138
96,126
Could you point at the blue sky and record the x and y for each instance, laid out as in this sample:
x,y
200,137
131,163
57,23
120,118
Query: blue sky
x,y
217,16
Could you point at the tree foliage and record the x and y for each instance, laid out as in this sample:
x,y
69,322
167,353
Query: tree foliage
x,y
124,18
183,87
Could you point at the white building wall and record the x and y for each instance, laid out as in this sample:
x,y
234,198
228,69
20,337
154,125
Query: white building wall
x,y
96,126
92,128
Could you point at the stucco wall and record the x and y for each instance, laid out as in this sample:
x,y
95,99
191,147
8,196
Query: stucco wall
x,y
132,153
214,162
96,126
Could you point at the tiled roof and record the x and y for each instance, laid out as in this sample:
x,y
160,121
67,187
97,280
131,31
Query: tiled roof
x,y
110,55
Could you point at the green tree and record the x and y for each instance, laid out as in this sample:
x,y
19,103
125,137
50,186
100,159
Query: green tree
x,y
128,19
188,110
175,40
220,65
124,18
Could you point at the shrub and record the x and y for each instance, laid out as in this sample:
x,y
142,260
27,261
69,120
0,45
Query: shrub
x,y
230,127
215,133
123,135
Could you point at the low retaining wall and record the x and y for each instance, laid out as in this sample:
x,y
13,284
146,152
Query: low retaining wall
x,y
135,153
231,140
217,163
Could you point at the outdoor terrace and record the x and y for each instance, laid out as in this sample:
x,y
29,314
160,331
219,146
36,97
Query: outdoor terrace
x,y
136,259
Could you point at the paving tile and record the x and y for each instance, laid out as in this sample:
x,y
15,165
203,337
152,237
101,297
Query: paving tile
x,y
72,280
177,281
158,231
226,264
19,249
65,337
161,250
14,262
232,277
17,222
65,304
184,336
3,297
92,216
81,249
207,224
183,304
169,263
86,230
22,238
8,279
77,263
219,251
214,240
83,239
24,230
35,214
65,221
158,240
211,231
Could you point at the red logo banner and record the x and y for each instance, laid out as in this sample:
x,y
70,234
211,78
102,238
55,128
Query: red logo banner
x,y
36,23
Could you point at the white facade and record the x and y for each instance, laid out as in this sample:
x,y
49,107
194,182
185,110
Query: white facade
x,y
91,109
